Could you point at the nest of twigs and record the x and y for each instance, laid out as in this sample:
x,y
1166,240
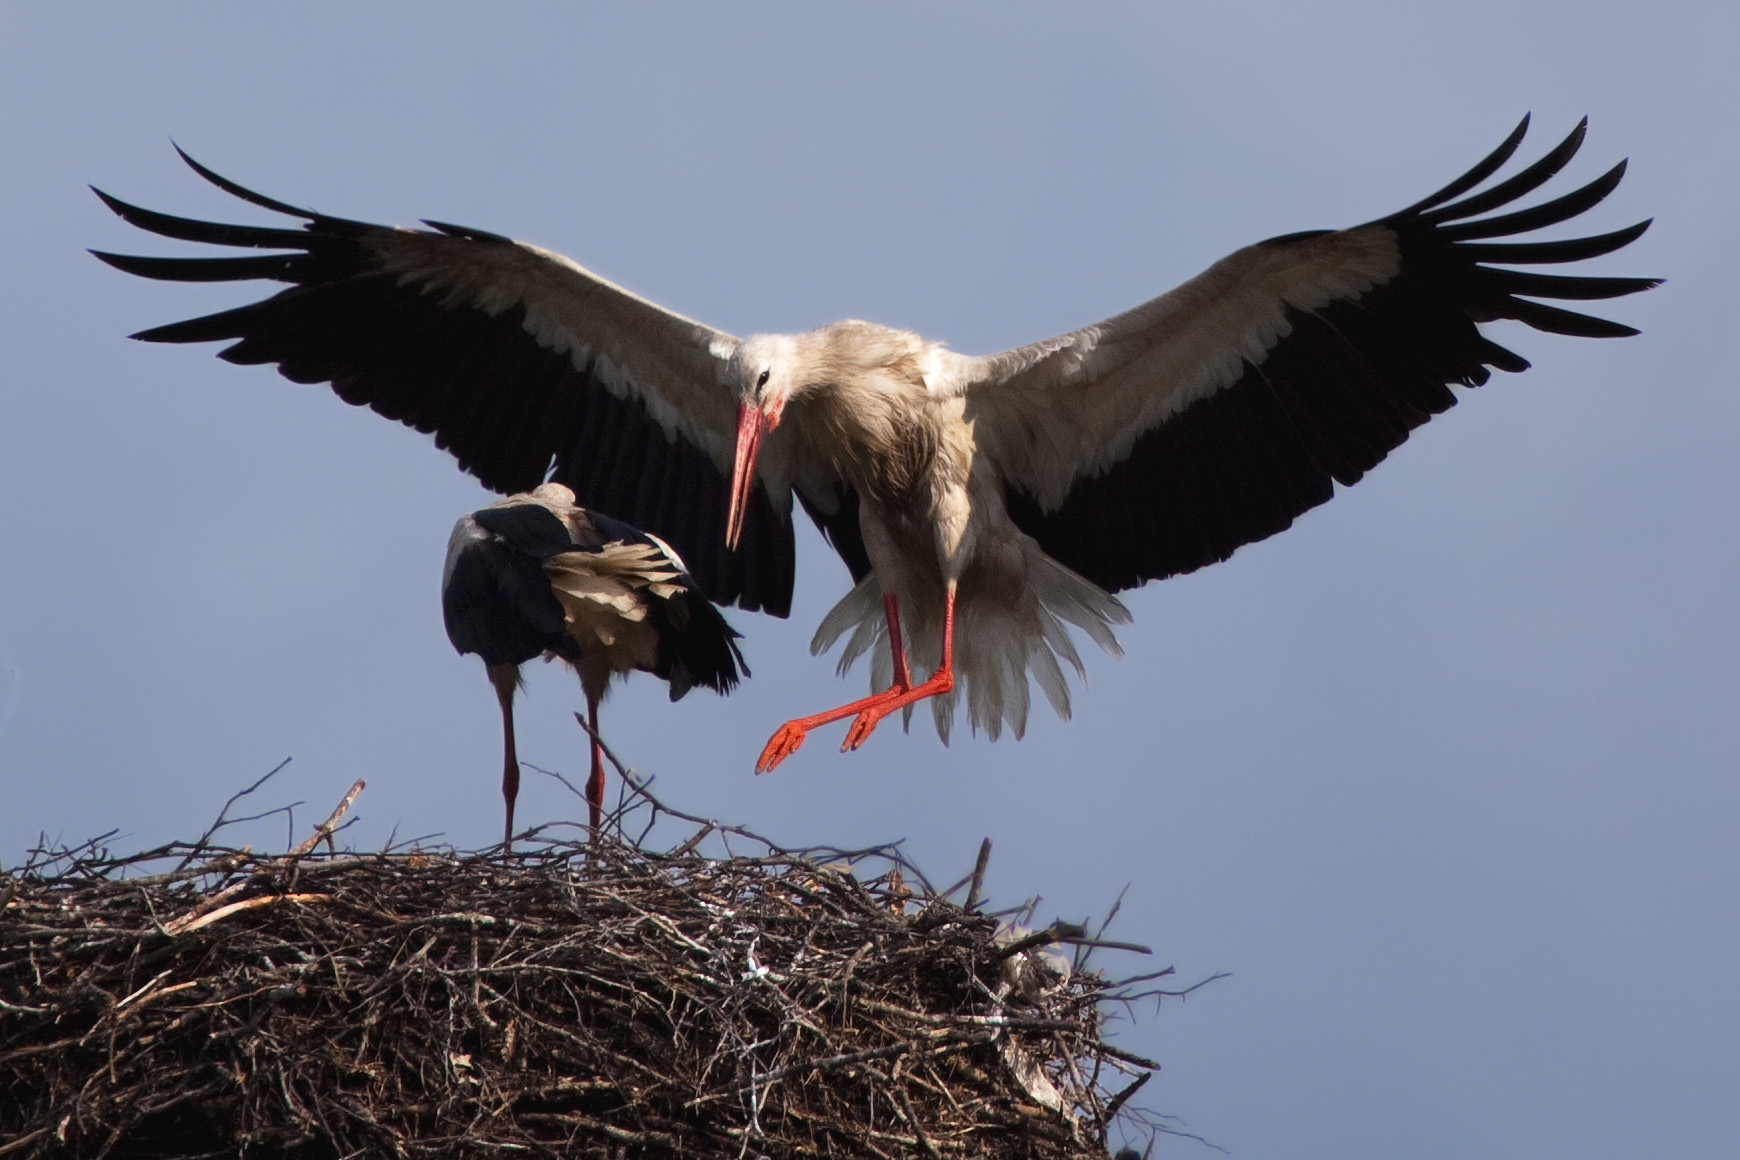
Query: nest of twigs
x,y
572,999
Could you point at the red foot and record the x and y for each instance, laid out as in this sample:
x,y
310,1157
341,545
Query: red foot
x,y
788,737
781,745
862,726
870,710
867,720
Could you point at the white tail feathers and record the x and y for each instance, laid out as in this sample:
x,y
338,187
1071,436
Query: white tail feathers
x,y
603,590
999,645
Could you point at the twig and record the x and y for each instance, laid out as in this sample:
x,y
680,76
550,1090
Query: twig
x,y
199,844
14,1145
1056,932
1118,1101
324,829
689,846
1163,994
978,878
1105,944
1129,1057
180,926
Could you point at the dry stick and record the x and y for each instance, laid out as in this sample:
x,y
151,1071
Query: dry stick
x,y
1117,1102
1056,932
23,1140
1128,1057
1105,944
917,1126
978,879
1082,952
1070,933
1145,977
1158,993
689,846
324,829
192,923
220,821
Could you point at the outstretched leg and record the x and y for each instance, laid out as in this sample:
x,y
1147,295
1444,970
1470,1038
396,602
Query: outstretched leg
x,y
506,679
940,682
595,783
869,710
789,736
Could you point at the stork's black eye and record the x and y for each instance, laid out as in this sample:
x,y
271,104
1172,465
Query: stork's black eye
x,y
762,381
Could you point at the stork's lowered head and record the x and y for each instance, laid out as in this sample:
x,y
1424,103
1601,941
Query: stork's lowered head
x,y
763,367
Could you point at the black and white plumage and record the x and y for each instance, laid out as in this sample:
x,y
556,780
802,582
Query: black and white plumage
x,y
1014,492
535,574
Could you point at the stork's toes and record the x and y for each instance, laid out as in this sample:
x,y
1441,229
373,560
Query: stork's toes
x,y
781,745
862,726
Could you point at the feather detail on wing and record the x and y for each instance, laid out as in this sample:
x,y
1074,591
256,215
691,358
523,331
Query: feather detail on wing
x,y
1162,439
522,364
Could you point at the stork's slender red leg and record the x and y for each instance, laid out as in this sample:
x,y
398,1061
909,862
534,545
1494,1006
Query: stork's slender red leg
x,y
902,676
939,682
595,783
869,710
506,679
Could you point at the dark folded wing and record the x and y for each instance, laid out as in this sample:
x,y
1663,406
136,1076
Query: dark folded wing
x,y
495,599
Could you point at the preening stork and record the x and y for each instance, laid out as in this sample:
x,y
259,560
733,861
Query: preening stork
x,y
536,574
981,503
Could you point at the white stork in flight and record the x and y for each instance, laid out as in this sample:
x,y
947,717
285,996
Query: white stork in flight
x,y
980,502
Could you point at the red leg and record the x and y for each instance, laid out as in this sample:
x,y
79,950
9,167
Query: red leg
x,y
902,677
505,678
869,710
786,740
595,783
941,681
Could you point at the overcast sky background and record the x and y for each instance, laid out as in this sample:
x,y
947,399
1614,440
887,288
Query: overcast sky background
x,y
1445,775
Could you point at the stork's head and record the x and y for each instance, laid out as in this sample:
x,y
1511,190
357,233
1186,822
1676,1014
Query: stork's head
x,y
763,367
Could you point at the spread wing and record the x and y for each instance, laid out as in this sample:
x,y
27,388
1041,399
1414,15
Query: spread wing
x,y
1162,439
521,364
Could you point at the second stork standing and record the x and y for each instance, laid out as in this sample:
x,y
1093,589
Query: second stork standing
x,y
537,574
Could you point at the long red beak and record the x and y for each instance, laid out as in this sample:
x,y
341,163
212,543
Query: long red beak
x,y
751,425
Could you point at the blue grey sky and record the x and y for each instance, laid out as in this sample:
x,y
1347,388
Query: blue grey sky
x,y
1445,775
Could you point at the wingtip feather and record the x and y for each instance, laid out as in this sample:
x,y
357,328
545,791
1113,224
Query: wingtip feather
x,y
240,191
1486,167
1526,181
